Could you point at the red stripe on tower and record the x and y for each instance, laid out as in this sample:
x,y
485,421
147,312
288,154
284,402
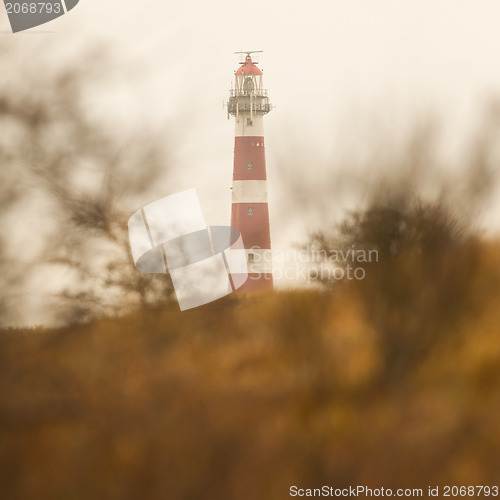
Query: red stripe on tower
x,y
248,103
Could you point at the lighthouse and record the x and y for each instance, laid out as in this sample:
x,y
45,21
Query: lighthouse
x,y
248,103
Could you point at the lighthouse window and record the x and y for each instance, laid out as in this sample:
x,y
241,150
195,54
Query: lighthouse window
x,y
250,165
250,210
250,257
248,85
249,122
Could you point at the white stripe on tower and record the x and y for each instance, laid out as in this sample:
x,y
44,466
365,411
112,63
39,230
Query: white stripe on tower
x,y
245,129
250,191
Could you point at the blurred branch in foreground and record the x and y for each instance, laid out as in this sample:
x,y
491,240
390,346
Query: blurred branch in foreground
x,y
68,181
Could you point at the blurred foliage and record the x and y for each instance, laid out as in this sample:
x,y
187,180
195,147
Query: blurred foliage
x,y
390,381
68,180
249,395
418,284
423,222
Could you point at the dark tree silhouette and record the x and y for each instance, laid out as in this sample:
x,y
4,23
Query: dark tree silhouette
x,y
418,291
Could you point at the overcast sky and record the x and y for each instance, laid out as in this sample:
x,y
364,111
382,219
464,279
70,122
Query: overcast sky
x,y
330,68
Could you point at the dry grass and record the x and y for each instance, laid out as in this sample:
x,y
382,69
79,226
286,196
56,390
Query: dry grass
x,y
242,398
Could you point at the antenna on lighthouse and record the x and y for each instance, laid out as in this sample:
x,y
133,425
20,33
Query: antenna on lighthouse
x,y
248,52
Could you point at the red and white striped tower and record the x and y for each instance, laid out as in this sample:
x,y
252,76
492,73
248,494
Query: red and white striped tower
x,y
248,103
